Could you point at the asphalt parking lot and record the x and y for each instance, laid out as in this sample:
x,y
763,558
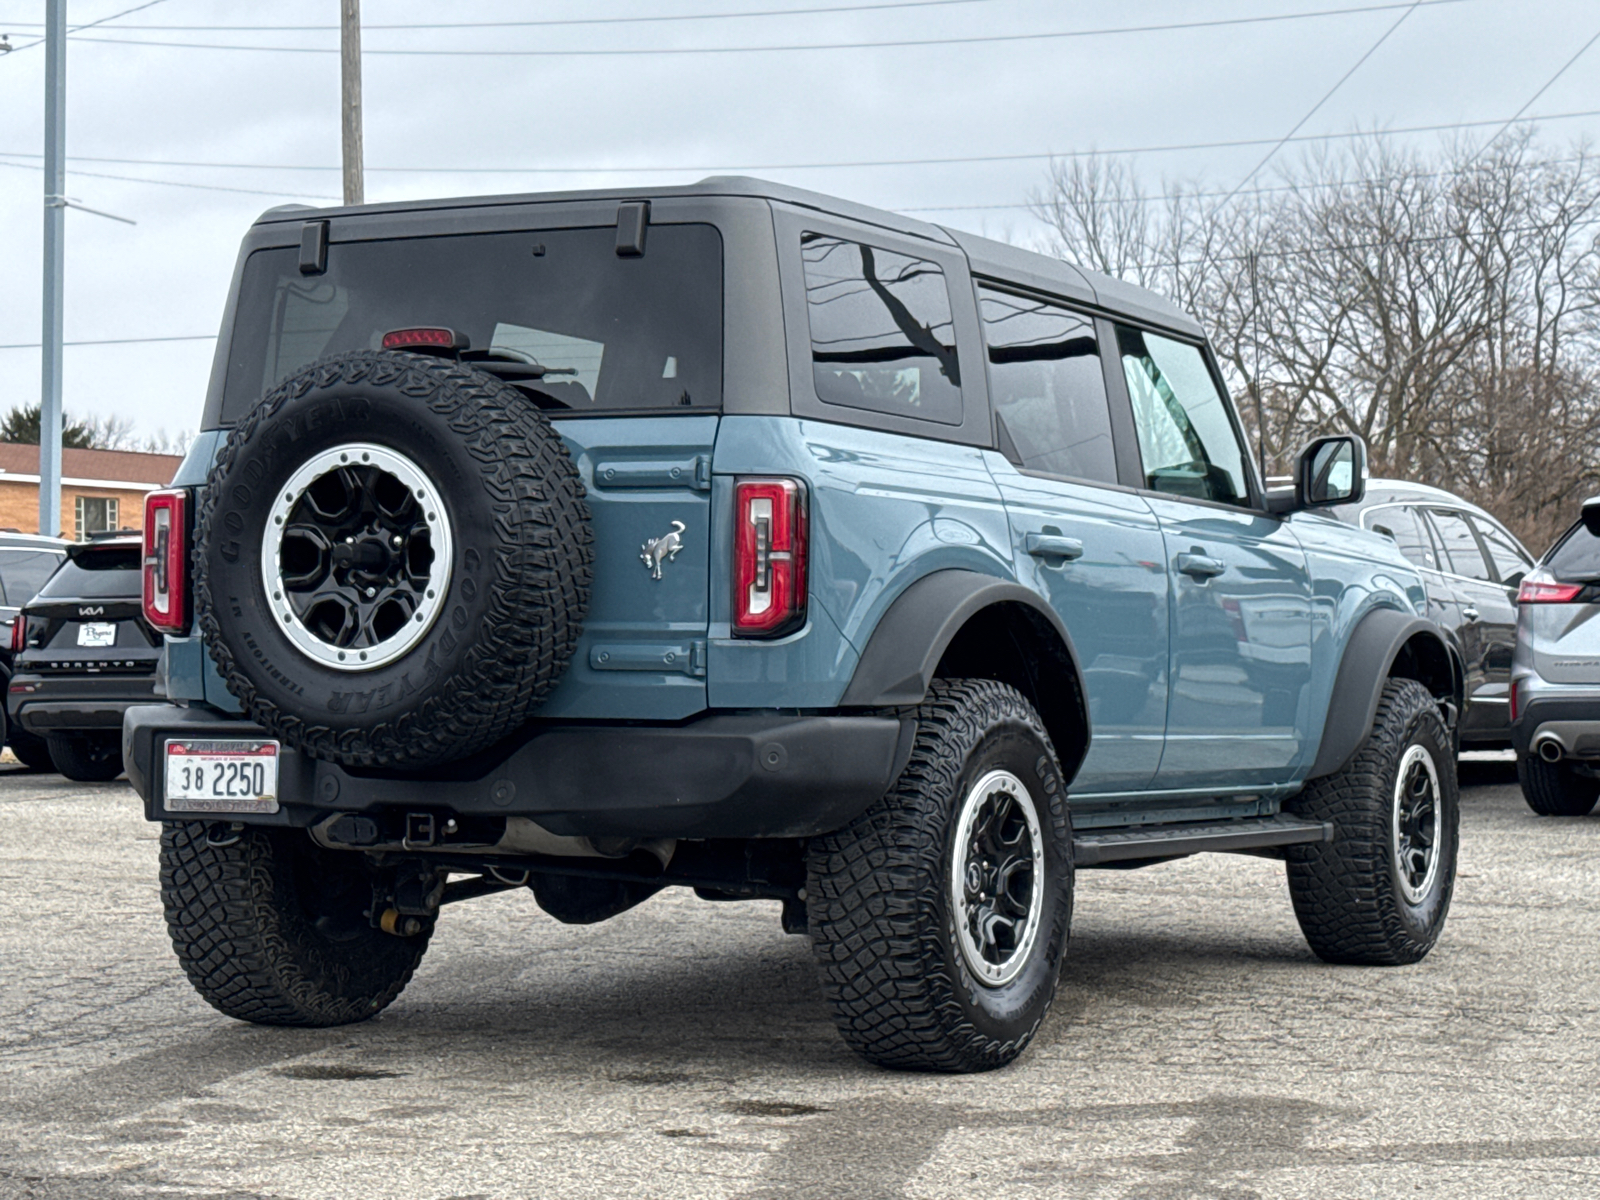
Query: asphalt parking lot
x,y
1196,1048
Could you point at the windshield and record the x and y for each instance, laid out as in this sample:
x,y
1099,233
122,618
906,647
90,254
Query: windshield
x,y
611,333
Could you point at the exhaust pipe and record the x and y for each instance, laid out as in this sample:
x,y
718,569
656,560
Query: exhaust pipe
x,y
1549,749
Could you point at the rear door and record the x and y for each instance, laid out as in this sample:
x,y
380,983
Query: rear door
x,y
643,650
1092,548
1488,625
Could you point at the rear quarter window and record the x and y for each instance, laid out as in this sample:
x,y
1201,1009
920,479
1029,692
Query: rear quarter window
x,y
882,334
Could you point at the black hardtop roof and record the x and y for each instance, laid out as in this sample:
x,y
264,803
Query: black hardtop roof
x,y
988,257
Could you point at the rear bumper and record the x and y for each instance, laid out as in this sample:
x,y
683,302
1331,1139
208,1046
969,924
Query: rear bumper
x,y
46,704
723,775
1572,715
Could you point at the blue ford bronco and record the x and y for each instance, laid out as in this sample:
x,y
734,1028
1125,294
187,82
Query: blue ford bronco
x,y
738,538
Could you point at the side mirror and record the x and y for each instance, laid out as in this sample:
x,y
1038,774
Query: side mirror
x,y
1331,470
1591,515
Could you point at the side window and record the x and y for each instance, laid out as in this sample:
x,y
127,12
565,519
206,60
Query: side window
x,y
1510,563
1575,558
1409,536
1047,387
882,337
1187,441
1460,546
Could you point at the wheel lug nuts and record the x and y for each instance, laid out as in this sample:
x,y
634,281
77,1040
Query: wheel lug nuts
x,y
371,592
397,540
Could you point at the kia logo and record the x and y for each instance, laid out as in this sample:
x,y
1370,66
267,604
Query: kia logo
x,y
91,610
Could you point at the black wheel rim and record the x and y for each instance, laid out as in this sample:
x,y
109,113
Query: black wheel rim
x,y
997,878
1416,824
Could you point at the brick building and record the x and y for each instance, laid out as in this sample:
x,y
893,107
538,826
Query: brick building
x,y
100,489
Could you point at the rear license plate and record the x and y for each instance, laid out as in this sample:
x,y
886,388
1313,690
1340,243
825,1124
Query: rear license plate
x,y
235,776
97,633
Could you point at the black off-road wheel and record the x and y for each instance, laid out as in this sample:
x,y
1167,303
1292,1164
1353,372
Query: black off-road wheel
x,y
87,757
940,916
392,559
1379,892
32,751
270,928
1556,789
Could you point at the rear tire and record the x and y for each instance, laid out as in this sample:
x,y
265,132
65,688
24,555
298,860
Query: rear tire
x,y
86,758
31,749
1378,893
1555,789
271,928
940,916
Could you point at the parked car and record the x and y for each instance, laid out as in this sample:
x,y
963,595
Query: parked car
x,y
739,538
84,656
1471,565
1555,689
26,561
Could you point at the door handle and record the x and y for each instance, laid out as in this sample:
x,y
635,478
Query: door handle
x,y
1200,566
1053,545
1470,613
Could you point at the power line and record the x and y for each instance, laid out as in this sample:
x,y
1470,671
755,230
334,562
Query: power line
x,y
652,51
204,187
1259,191
555,22
91,24
1531,99
192,337
1328,95
723,168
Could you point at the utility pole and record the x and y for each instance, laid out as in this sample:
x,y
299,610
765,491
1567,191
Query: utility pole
x,y
55,228
350,81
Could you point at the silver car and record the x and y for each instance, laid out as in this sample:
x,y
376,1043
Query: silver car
x,y
1555,674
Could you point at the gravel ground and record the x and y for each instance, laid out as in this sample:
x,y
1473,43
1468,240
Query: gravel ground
x,y
1196,1049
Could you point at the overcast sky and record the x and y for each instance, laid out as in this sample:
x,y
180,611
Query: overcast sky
x,y
537,122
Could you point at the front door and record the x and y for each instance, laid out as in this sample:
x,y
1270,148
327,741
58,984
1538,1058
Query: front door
x,y
1240,613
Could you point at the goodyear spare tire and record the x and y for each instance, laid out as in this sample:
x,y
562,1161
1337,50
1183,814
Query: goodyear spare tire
x,y
392,559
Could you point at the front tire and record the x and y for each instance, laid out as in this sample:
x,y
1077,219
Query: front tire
x,y
1555,789
86,758
272,929
940,916
1378,893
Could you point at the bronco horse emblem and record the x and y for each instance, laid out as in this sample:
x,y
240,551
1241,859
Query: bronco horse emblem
x,y
662,549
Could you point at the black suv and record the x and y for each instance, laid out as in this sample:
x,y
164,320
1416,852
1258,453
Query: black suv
x,y
84,656
26,561
1471,565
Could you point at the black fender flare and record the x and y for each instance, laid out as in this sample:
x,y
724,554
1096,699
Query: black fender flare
x,y
1369,656
911,637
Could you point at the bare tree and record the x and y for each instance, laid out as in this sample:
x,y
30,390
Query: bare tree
x,y
1444,307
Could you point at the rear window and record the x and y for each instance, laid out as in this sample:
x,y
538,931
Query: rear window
x,y
23,573
105,572
614,333
1576,557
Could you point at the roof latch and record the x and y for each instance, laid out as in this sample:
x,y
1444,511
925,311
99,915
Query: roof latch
x,y
633,219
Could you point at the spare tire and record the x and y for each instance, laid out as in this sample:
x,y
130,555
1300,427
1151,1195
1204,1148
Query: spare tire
x,y
392,559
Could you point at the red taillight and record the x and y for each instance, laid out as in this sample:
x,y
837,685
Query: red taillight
x,y
19,634
769,557
166,560
1547,591
433,336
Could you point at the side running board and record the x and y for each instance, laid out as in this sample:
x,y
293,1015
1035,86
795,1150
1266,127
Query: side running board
x,y
1093,847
